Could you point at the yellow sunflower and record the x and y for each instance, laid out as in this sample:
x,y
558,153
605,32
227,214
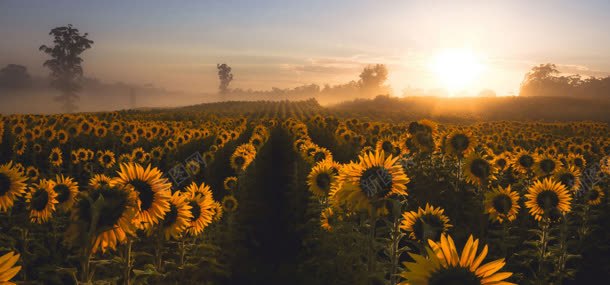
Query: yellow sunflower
x,y
569,177
67,191
477,170
546,165
12,186
230,183
99,180
8,270
229,203
387,145
374,178
459,143
153,192
443,265
117,207
523,162
547,198
425,224
502,161
55,158
41,200
321,177
178,218
106,159
502,204
203,208
594,196
329,219
32,173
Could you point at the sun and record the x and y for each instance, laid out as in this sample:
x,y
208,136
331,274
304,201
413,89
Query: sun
x,y
457,69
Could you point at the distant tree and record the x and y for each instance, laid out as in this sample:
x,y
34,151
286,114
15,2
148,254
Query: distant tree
x,y
372,79
546,80
65,63
225,76
14,76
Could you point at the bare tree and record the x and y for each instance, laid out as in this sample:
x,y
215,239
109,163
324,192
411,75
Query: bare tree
x,y
225,76
65,63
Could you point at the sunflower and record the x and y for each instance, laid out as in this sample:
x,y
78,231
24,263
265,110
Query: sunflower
x,y
502,204
62,136
594,196
106,159
523,162
329,219
7,271
242,157
229,203
41,200
32,173
374,178
203,208
605,165
546,165
55,158
99,181
569,177
321,177
443,265
478,170
459,143
387,145
425,224
502,161
67,190
230,183
319,154
547,198
12,186
116,207
153,192
577,160
178,218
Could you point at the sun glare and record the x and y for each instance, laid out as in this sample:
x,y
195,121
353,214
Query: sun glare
x,y
457,70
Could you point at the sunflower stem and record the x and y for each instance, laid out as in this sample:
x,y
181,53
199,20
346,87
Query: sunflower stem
x,y
544,227
159,250
128,263
395,256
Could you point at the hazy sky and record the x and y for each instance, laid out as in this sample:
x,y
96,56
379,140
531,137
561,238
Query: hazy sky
x,y
176,44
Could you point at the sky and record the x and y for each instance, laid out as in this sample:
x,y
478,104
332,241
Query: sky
x,y
177,44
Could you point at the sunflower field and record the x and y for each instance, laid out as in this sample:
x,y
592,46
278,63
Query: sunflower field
x,y
293,193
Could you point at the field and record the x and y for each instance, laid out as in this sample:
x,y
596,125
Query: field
x,y
295,193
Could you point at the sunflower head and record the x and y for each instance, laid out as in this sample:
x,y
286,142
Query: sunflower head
x,y
594,196
178,218
502,204
546,165
329,219
67,191
12,185
443,265
425,224
569,177
229,203
478,170
459,143
41,200
547,199
230,183
321,177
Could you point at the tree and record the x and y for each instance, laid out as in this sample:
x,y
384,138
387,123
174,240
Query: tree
x,y
225,76
14,76
66,64
372,79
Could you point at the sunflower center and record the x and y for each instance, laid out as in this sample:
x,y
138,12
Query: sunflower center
x,y
387,147
547,165
319,156
145,193
460,142
502,204
376,182
480,168
63,192
239,161
578,162
323,181
5,184
40,198
454,276
195,210
428,226
547,200
526,161
107,159
229,204
501,162
171,216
